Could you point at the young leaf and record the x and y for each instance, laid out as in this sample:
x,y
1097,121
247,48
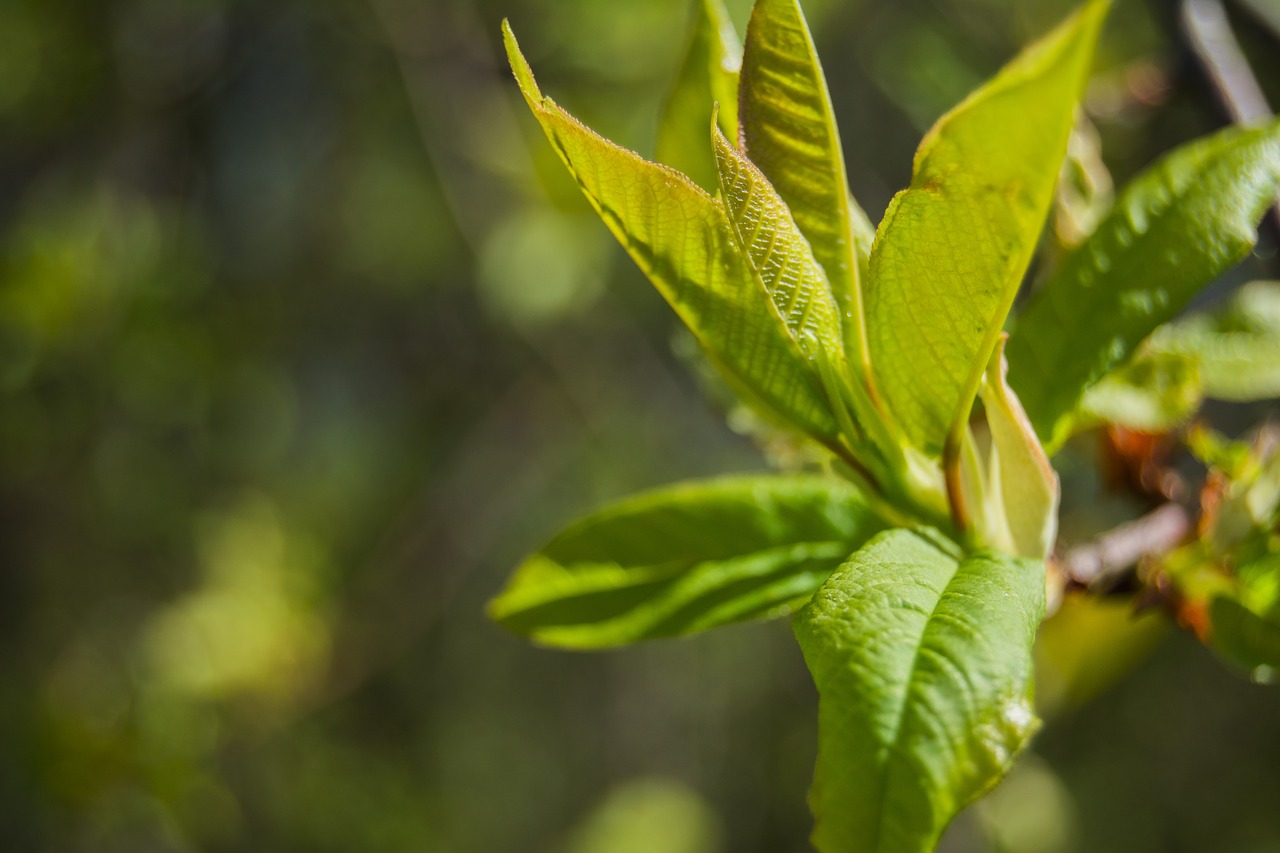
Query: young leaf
x,y
1236,347
1027,482
709,75
788,129
1173,230
952,249
679,236
687,558
923,667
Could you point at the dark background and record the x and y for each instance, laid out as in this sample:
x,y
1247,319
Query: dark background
x,y
305,338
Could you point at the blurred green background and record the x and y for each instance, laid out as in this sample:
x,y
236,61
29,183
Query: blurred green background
x,y
305,338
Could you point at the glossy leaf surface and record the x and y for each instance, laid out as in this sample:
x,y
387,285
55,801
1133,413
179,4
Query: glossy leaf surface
x,y
923,667
1174,229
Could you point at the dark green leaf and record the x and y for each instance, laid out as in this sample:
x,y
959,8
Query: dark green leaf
x,y
687,558
1173,230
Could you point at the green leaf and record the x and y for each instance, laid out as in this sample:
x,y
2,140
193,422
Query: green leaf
x,y
1154,393
788,129
1243,637
1236,347
680,238
1027,482
952,249
1173,230
708,75
687,558
924,674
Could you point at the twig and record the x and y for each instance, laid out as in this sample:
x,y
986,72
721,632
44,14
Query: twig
x,y
1099,564
1208,34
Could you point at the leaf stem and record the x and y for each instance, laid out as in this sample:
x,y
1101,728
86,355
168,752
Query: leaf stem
x,y
960,515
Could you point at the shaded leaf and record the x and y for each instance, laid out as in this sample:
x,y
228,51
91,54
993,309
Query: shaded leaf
x,y
708,75
1154,393
680,238
1237,347
687,558
1174,229
923,667
952,249
789,130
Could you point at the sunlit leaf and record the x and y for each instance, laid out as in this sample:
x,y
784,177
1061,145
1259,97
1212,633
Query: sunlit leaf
x,y
923,667
952,249
708,76
679,236
687,558
1173,230
788,129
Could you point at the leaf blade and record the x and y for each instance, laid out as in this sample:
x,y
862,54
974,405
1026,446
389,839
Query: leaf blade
x,y
1174,229
686,558
951,250
680,238
788,129
909,646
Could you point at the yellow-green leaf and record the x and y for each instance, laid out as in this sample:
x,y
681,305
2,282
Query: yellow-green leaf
x,y
788,129
952,249
680,238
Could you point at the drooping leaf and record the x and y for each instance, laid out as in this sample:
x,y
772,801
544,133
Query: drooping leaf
x,y
708,75
679,236
1028,484
1236,347
952,249
788,129
1173,230
687,558
923,667
1154,393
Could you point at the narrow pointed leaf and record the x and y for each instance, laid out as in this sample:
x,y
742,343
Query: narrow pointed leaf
x,y
1174,229
687,558
708,75
680,238
924,674
788,129
777,251
952,249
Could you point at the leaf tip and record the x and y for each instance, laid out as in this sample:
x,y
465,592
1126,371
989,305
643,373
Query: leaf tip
x,y
519,65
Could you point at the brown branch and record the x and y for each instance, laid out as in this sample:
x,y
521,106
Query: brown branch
x,y
1099,564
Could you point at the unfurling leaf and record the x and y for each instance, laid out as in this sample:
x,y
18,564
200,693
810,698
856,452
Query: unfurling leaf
x,y
924,674
709,75
952,249
1173,230
788,129
687,558
679,236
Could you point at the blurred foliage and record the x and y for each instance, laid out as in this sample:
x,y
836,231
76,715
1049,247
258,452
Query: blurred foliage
x,y
304,344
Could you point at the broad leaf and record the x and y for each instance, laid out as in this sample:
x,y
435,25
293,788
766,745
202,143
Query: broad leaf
x,y
924,674
679,236
952,249
1173,230
687,558
709,75
1236,347
1154,393
788,129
